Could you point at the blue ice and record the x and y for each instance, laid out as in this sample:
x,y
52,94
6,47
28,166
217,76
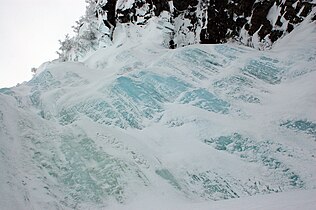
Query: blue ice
x,y
264,69
205,100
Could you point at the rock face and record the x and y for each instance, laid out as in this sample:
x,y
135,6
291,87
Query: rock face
x,y
255,23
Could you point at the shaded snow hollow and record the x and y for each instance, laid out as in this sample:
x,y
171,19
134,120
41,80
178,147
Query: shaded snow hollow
x,y
138,126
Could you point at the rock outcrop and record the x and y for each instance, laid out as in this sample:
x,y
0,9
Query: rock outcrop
x,y
255,23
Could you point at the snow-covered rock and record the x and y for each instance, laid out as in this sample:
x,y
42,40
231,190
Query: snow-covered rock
x,y
253,23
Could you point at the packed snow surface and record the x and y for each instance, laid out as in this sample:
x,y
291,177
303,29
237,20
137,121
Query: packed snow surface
x,y
137,126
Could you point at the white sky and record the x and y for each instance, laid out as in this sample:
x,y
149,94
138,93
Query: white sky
x,y
29,34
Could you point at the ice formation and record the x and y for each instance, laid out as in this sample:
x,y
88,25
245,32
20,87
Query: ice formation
x,y
138,124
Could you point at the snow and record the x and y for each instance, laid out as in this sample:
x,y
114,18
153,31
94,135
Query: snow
x,y
289,201
303,35
273,14
139,126
125,4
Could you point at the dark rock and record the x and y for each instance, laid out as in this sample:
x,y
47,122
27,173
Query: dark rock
x,y
109,8
184,4
275,35
259,16
278,22
160,5
241,21
307,9
290,15
172,44
202,21
224,18
290,27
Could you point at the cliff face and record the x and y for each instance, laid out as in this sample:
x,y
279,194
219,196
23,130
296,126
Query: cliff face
x,y
254,23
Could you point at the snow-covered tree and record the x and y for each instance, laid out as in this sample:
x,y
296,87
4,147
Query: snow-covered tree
x,y
88,35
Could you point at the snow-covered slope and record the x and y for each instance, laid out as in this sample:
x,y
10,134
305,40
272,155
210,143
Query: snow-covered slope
x,y
136,121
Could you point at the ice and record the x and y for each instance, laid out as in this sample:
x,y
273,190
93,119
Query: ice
x,y
6,91
214,186
301,125
98,110
206,100
229,51
143,90
91,175
265,69
198,58
137,123
35,98
260,152
44,81
165,174
238,87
